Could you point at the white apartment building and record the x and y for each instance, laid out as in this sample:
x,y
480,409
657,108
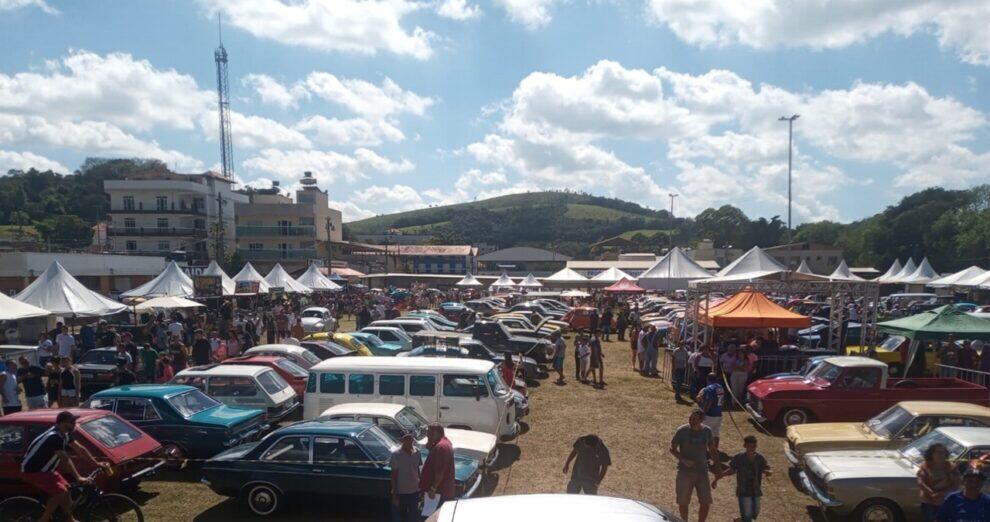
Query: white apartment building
x,y
157,212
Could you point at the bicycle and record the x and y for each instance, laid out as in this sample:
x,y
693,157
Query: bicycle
x,y
89,504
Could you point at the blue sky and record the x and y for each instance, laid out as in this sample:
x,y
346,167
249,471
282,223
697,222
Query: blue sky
x,y
398,104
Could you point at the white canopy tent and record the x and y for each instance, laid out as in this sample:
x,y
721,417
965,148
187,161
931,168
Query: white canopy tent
x,y
960,278
248,273
13,310
167,302
842,273
803,268
894,269
225,281
313,279
922,275
504,281
905,271
469,281
57,291
530,282
612,275
279,278
565,275
574,293
672,271
172,281
754,264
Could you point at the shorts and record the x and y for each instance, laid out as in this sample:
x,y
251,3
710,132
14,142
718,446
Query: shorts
x,y
687,482
558,363
576,485
37,403
714,423
51,483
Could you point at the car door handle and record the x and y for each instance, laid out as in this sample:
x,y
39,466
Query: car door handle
x,y
316,470
444,407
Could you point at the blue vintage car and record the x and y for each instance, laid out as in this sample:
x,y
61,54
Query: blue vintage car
x,y
313,459
187,422
376,345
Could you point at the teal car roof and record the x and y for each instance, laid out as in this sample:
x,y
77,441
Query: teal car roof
x,y
314,427
150,391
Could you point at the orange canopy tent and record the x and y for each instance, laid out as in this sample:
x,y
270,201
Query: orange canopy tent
x,y
625,286
751,309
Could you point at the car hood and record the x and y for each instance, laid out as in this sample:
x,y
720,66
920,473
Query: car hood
x,y
860,464
764,387
478,443
93,367
829,432
226,416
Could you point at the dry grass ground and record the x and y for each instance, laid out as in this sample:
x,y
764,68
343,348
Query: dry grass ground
x,y
635,416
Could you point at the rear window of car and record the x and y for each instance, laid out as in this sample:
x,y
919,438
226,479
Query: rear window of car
x,y
272,382
11,437
111,431
291,367
233,387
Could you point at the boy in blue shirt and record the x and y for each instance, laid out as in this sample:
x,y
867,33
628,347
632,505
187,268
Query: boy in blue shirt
x,y
970,504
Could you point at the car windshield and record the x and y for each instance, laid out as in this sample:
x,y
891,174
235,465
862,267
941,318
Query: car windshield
x,y
111,431
496,383
377,443
312,313
294,369
411,422
99,357
309,357
915,451
891,343
272,382
890,422
826,373
192,402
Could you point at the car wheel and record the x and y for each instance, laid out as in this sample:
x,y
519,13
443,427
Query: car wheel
x,y
262,499
794,416
175,456
878,510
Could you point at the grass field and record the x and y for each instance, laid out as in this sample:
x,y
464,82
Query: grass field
x,y
635,417
595,212
648,232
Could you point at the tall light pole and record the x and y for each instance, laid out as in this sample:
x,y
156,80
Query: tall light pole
x,y
790,151
670,235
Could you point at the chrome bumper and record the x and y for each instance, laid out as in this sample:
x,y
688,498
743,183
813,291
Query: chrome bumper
x,y
792,457
755,414
512,433
820,496
285,412
474,486
146,472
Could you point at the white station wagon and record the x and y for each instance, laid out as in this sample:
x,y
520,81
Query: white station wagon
x,y
573,508
245,386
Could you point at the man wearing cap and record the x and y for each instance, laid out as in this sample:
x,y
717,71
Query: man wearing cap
x,y
45,455
970,504
405,464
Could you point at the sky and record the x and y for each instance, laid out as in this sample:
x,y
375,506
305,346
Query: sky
x,y
403,104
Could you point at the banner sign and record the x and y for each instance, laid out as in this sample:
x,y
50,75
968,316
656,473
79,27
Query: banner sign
x,y
207,286
246,287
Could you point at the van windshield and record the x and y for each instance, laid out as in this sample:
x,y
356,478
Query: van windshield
x,y
496,383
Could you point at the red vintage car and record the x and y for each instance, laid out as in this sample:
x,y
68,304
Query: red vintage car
x,y
850,389
579,317
293,374
132,453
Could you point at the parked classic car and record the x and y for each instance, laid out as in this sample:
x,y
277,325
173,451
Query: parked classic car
x,y
324,350
499,339
245,386
894,351
579,317
396,419
437,318
317,319
297,354
188,423
312,459
881,485
891,429
291,372
573,508
133,453
847,388
97,369
344,340
376,345
391,334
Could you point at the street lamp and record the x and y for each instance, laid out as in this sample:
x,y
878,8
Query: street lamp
x,y
790,150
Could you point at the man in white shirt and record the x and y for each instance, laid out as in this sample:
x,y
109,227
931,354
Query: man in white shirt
x,y
66,344
45,348
175,329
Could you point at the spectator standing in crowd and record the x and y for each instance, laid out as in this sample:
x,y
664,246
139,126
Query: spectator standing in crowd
x,y
969,503
149,362
70,384
739,369
621,323
164,371
45,349
405,463
645,339
937,477
53,383
967,356
65,342
749,467
634,345
693,445
594,320
201,349
591,461
9,389
87,337
583,354
606,325
710,399
437,475
123,356
596,361
679,363
651,352
559,351
31,380
297,329
124,376
701,363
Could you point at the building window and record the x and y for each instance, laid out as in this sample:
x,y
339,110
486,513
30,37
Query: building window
x,y
131,246
130,223
162,223
306,221
283,250
163,246
255,246
284,227
304,198
128,202
161,202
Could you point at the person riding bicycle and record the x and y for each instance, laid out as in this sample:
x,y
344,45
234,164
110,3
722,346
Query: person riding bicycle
x,y
43,458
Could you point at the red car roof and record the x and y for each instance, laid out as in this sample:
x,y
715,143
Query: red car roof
x,y
253,359
48,415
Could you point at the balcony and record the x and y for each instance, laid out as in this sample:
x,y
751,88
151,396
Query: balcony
x,y
278,231
275,254
184,211
156,232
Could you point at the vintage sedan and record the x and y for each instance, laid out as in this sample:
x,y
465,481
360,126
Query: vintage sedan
x,y
891,429
344,340
376,345
396,419
317,319
881,485
189,423
97,369
133,453
573,508
289,371
313,459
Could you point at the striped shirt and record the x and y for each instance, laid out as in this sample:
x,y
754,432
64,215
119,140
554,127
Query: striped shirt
x,y
43,454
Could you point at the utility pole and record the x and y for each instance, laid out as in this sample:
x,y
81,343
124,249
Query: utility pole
x,y
790,153
670,248
223,107
329,246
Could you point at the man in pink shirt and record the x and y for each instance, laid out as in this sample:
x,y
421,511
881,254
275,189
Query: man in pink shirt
x,y
437,476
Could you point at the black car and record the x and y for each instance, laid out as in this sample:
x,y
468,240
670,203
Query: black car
x,y
97,369
497,337
315,459
326,349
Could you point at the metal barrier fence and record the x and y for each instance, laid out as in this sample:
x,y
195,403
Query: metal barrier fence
x,y
971,376
765,365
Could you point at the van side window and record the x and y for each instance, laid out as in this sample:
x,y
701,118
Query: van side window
x,y
233,387
392,385
422,385
360,384
311,382
332,383
464,386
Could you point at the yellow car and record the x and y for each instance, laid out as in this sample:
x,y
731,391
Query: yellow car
x,y
343,339
889,352
891,429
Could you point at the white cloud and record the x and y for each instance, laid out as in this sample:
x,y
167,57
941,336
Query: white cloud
x,y
254,132
956,167
353,26
272,92
351,211
9,5
12,160
396,198
959,24
329,167
533,14
365,98
334,132
457,10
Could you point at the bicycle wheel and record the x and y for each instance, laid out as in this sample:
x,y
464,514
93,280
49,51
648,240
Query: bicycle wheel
x,y
21,509
113,507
